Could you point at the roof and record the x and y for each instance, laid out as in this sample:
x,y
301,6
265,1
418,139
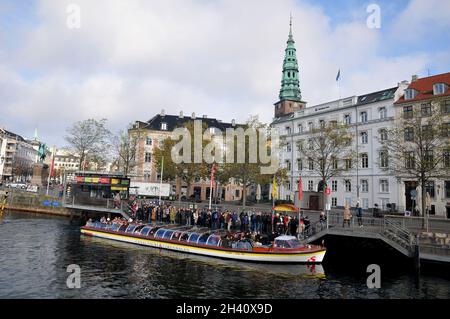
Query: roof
x,y
11,135
377,96
424,86
175,121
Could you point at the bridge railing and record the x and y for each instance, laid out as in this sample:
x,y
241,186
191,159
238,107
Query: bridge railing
x,y
401,233
419,224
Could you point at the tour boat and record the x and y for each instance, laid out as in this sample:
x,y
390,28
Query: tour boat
x,y
206,242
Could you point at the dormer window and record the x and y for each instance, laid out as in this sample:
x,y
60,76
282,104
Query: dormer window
x,y
439,88
410,94
164,126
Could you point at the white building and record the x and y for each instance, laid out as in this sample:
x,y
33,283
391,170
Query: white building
x,y
367,116
17,157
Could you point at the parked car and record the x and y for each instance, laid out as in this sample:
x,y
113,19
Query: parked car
x,y
17,185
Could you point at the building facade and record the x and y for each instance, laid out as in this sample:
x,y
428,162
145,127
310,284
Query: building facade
x,y
17,156
151,136
426,95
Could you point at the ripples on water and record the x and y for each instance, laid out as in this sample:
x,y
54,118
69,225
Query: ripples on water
x,y
35,252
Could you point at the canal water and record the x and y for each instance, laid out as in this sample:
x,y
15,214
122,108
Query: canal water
x,y
35,252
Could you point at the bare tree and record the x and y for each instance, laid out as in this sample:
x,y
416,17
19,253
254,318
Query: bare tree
x,y
328,151
125,148
419,146
88,139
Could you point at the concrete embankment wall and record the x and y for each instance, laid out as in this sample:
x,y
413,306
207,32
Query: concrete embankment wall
x,y
35,203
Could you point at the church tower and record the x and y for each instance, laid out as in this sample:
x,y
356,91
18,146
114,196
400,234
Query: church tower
x,y
290,94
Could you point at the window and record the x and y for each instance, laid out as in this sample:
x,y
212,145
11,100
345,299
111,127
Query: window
x,y
334,162
347,119
288,165
410,161
447,189
409,134
310,164
429,158
445,130
364,160
334,201
407,112
288,186
382,112
299,164
446,160
334,186
148,141
364,138
310,186
439,88
164,126
425,109
427,131
384,159
348,185
384,186
333,123
445,107
384,203
288,147
410,94
348,163
429,188
310,145
310,126
364,185
322,123
288,130
363,116
383,134
300,128
148,157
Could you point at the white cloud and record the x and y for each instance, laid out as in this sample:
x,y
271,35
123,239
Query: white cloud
x,y
132,58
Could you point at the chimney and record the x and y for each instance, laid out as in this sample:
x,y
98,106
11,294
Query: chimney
x,y
205,116
414,78
181,114
233,122
193,116
163,113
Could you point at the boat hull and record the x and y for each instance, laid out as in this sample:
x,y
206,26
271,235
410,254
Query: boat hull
x,y
315,256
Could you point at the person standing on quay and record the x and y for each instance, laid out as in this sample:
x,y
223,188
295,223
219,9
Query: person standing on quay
x,y
347,215
359,214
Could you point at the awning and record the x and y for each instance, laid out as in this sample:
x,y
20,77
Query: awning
x,y
285,208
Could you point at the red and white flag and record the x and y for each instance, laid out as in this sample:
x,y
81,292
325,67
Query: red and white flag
x,y
300,189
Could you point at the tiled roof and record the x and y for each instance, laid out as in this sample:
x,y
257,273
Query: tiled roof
x,y
377,96
174,121
424,87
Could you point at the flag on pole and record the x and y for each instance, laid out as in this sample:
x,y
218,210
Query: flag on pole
x,y
338,75
300,189
274,188
213,171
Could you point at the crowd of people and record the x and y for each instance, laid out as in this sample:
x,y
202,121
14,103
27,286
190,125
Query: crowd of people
x,y
253,223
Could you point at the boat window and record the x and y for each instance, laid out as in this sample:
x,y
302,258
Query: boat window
x,y
291,243
160,232
193,238
202,239
123,227
242,245
145,230
153,231
168,234
213,240
185,237
176,235
130,229
138,229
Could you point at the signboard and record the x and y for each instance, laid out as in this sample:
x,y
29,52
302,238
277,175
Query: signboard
x,y
120,182
149,189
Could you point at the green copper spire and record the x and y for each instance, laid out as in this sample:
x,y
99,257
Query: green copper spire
x,y
290,85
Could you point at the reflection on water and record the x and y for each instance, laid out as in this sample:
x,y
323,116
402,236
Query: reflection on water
x,y
35,252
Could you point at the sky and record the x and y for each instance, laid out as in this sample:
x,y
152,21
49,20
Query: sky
x,y
128,60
